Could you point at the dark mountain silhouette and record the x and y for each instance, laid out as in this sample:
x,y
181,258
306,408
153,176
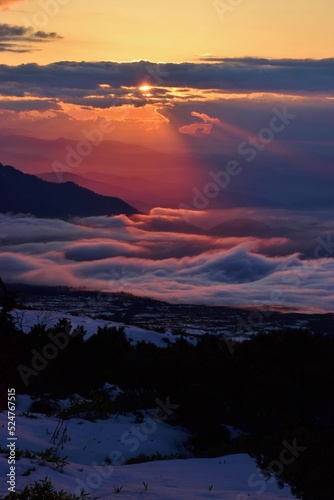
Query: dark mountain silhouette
x,y
91,184
24,193
104,184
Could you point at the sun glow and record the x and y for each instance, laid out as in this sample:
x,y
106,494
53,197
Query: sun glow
x,y
145,90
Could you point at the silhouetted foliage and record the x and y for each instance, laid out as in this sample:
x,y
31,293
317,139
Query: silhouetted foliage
x,y
7,304
276,387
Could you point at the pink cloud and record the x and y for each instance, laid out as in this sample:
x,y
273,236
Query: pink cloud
x,y
120,254
206,118
196,129
223,130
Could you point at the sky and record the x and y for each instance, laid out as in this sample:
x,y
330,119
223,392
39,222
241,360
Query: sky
x,y
174,31
213,118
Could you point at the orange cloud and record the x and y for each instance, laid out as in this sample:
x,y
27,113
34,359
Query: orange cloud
x,y
206,118
196,129
5,3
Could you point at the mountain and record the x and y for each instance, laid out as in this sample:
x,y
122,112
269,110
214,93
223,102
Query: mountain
x,y
132,171
91,184
104,184
24,193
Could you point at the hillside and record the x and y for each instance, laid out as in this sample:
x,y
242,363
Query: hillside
x,y
24,193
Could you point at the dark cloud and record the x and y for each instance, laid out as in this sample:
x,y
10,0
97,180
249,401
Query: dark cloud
x,y
80,79
21,38
261,61
29,105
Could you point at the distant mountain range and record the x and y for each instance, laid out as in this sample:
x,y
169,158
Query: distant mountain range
x,y
130,171
149,178
103,184
24,193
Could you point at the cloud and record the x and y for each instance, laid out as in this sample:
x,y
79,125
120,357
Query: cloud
x,y
206,118
83,79
199,128
262,61
113,254
294,171
20,38
196,129
5,3
29,105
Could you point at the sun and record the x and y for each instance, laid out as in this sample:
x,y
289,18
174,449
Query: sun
x,y
145,88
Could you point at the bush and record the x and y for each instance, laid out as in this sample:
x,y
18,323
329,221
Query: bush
x,y
43,490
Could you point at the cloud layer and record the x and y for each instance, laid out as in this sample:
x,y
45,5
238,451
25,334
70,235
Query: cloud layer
x,y
113,254
80,79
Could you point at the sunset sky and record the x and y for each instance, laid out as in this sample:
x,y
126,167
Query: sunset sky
x,y
173,31
214,118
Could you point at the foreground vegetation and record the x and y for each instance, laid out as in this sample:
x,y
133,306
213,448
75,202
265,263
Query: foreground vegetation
x,y
276,387
43,490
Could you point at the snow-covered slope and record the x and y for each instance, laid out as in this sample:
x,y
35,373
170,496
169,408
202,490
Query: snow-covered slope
x,y
25,319
96,451
115,439
233,477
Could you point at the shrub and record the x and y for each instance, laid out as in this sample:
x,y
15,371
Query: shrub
x,y
43,490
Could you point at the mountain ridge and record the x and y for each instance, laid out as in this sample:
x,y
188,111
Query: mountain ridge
x,y
26,193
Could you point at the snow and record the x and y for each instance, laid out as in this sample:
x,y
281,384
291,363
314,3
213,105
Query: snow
x,y
166,480
232,477
26,319
113,390
118,436
96,451
234,432
23,402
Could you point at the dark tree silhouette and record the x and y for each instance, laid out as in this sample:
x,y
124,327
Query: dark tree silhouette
x,y
7,304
